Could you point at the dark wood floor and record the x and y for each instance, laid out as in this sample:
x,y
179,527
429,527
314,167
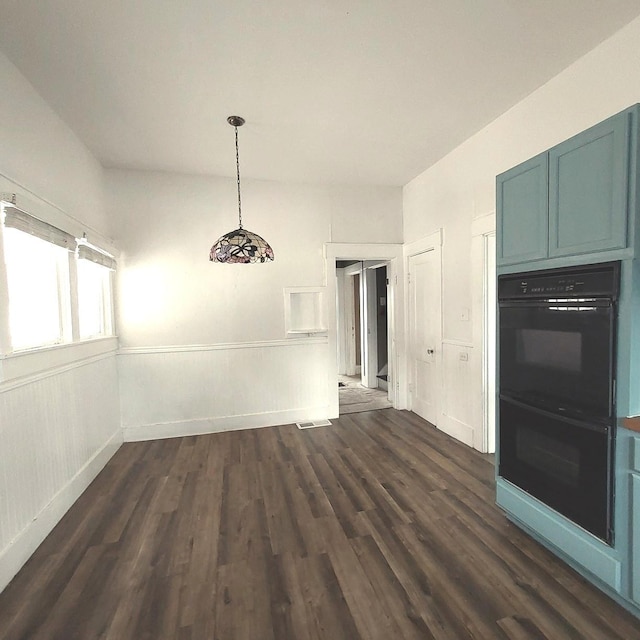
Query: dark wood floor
x,y
377,527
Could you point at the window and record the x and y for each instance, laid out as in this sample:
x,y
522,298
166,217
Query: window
x,y
43,269
38,283
94,300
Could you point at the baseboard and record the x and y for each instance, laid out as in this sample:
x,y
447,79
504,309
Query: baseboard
x,y
20,549
456,429
202,426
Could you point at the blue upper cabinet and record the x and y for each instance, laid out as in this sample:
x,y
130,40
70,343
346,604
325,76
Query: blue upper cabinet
x,y
588,187
522,206
576,201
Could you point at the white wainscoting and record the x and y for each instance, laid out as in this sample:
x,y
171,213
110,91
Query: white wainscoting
x,y
174,391
458,390
57,431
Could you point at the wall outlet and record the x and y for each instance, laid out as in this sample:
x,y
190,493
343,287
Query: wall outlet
x,y
464,356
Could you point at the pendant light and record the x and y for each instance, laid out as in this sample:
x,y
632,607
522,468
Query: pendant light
x,y
240,246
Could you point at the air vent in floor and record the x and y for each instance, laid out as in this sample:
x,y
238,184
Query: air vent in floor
x,y
315,423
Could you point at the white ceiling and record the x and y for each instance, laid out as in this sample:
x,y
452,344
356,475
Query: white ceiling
x,y
346,91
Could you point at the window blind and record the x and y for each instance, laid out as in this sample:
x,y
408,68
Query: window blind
x,y
17,219
88,253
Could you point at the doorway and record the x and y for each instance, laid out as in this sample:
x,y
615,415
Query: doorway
x,y
362,319
392,255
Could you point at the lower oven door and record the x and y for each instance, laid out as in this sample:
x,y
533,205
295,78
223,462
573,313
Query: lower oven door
x,y
564,463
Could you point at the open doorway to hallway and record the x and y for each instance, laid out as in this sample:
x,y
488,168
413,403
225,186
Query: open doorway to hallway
x,y
363,335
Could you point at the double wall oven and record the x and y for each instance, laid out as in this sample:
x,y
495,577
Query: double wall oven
x,y
557,333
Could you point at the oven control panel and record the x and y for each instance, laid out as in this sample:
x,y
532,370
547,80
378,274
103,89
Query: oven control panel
x,y
563,285
592,280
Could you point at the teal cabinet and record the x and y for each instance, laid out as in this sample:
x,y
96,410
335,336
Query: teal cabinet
x,y
522,205
635,537
588,186
635,520
575,199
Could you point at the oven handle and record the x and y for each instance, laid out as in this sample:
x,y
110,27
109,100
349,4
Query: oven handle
x,y
591,426
547,302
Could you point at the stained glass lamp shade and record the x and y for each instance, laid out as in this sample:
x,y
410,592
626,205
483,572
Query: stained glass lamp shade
x,y
240,246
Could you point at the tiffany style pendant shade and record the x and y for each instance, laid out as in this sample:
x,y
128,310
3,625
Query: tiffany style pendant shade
x,y
240,245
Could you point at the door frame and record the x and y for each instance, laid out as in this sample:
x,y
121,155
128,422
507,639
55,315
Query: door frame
x,y
482,229
393,255
347,334
432,242
370,323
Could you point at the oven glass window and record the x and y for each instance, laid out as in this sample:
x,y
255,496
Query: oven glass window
x,y
557,359
554,349
550,456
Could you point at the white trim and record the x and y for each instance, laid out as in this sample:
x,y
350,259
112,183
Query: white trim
x,y
484,224
29,367
488,337
188,348
354,269
456,429
483,229
291,330
216,424
433,240
458,343
20,549
5,334
343,341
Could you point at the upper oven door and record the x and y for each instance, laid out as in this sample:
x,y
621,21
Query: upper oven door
x,y
559,354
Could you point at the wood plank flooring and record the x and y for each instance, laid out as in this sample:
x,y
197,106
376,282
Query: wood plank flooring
x,y
378,527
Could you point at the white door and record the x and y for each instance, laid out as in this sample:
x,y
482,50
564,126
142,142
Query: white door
x,y
369,330
424,333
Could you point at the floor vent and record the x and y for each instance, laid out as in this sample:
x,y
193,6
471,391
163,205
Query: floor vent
x,y
315,423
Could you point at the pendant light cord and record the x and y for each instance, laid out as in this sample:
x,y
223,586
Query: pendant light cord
x,y
238,177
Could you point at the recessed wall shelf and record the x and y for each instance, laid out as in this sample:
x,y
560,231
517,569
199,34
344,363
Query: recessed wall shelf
x,y
304,311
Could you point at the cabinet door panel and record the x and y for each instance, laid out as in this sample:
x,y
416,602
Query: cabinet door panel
x,y
588,182
522,206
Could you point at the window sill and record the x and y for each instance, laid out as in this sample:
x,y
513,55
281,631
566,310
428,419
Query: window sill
x,y
34,361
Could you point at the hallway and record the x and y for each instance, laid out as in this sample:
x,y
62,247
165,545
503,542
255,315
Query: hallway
x,y
354,398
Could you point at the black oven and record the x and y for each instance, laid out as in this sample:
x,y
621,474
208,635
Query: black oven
x,y
557,332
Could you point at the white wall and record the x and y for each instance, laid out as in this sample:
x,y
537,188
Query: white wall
x,y
461,186
191,330
59,416
40,153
